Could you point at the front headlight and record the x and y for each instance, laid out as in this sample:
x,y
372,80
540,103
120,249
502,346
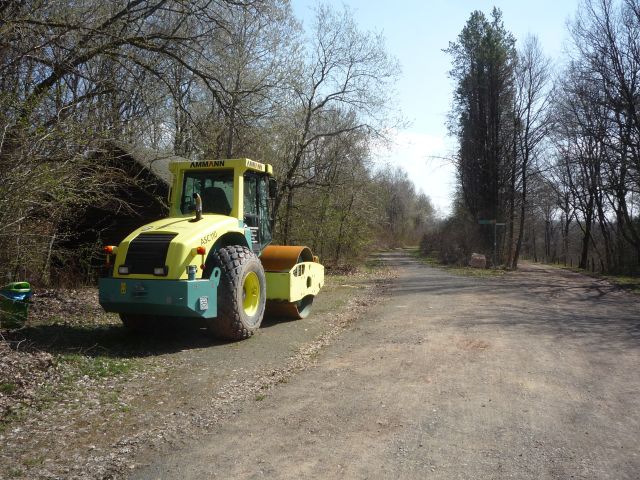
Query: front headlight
x,y
161,271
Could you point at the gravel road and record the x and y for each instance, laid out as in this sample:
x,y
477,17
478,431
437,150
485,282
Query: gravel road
x,y
533,375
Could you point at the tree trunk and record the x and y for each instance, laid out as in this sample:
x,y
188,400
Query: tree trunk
x,y
523,214
512,201
586,239
533,239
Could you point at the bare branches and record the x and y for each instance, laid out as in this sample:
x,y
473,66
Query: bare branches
x,y
72,73
344,88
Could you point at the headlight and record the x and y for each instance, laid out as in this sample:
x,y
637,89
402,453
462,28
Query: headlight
x,y
161,271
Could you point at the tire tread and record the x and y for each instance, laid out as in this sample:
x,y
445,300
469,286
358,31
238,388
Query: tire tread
x,y
228,323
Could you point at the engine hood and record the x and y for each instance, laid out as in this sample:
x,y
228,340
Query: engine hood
x,y
189,231
179,237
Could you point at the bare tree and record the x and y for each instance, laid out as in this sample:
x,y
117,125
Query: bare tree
x,y
343,86
72,73
203,78
531,114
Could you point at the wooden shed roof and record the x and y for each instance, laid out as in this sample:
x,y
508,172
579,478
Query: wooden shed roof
x,y
157,162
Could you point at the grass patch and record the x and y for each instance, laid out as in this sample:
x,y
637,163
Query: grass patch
x,y
74,367
260,397
93,367
626,282
371,265
15,415
49,394
14,472
335,280
631,284
32,462
7,388
336,293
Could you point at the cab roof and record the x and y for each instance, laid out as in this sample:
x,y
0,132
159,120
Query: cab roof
x,y
242,164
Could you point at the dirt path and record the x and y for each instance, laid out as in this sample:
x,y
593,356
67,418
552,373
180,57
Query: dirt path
x,y
530,376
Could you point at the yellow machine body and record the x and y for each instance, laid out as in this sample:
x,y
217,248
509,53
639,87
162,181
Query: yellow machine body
x,y
182,250
303,279
181,244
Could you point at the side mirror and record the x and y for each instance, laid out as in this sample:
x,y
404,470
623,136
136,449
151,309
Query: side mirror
x,y
273,187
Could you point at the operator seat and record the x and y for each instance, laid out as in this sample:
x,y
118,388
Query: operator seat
x,y
214,200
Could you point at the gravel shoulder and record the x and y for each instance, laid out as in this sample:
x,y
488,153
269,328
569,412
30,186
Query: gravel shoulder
x,y
533,375
95,398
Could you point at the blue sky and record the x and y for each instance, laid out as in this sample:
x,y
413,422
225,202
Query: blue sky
x,y
416,32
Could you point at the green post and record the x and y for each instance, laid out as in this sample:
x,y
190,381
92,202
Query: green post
x,y
495,236
495,242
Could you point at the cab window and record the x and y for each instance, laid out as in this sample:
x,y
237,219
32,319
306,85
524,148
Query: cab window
x,y
256,208
215,187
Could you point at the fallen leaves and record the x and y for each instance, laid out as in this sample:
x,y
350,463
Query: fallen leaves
x,y
22,374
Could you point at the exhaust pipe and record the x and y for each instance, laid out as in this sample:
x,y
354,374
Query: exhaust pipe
x,y
198,200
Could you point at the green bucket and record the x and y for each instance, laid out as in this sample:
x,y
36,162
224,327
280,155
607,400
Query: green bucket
x,y
14,304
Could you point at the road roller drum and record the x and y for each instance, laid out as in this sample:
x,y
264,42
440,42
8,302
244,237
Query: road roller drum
x,y
294,277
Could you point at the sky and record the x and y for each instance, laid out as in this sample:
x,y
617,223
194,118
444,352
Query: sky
x,y
416,32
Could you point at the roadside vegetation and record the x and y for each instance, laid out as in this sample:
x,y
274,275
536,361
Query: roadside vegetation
x,y
626,282
65,346
630,284
69,346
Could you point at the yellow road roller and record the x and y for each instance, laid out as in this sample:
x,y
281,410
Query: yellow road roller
x,y
211,259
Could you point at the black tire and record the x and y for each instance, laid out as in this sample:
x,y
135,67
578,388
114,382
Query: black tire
x,y
238,266
135,322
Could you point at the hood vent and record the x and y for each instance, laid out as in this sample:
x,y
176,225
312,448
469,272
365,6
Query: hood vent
x,y
148,251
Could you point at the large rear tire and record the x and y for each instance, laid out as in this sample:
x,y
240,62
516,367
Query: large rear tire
x,y
241,293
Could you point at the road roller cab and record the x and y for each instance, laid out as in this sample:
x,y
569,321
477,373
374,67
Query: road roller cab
x,y
211,259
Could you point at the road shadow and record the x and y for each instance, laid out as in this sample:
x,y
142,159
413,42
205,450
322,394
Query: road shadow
x,y
392,258
273,320
117,341
563,304
111,340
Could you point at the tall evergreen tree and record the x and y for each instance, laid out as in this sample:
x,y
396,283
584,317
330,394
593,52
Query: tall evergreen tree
x,y
483,60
